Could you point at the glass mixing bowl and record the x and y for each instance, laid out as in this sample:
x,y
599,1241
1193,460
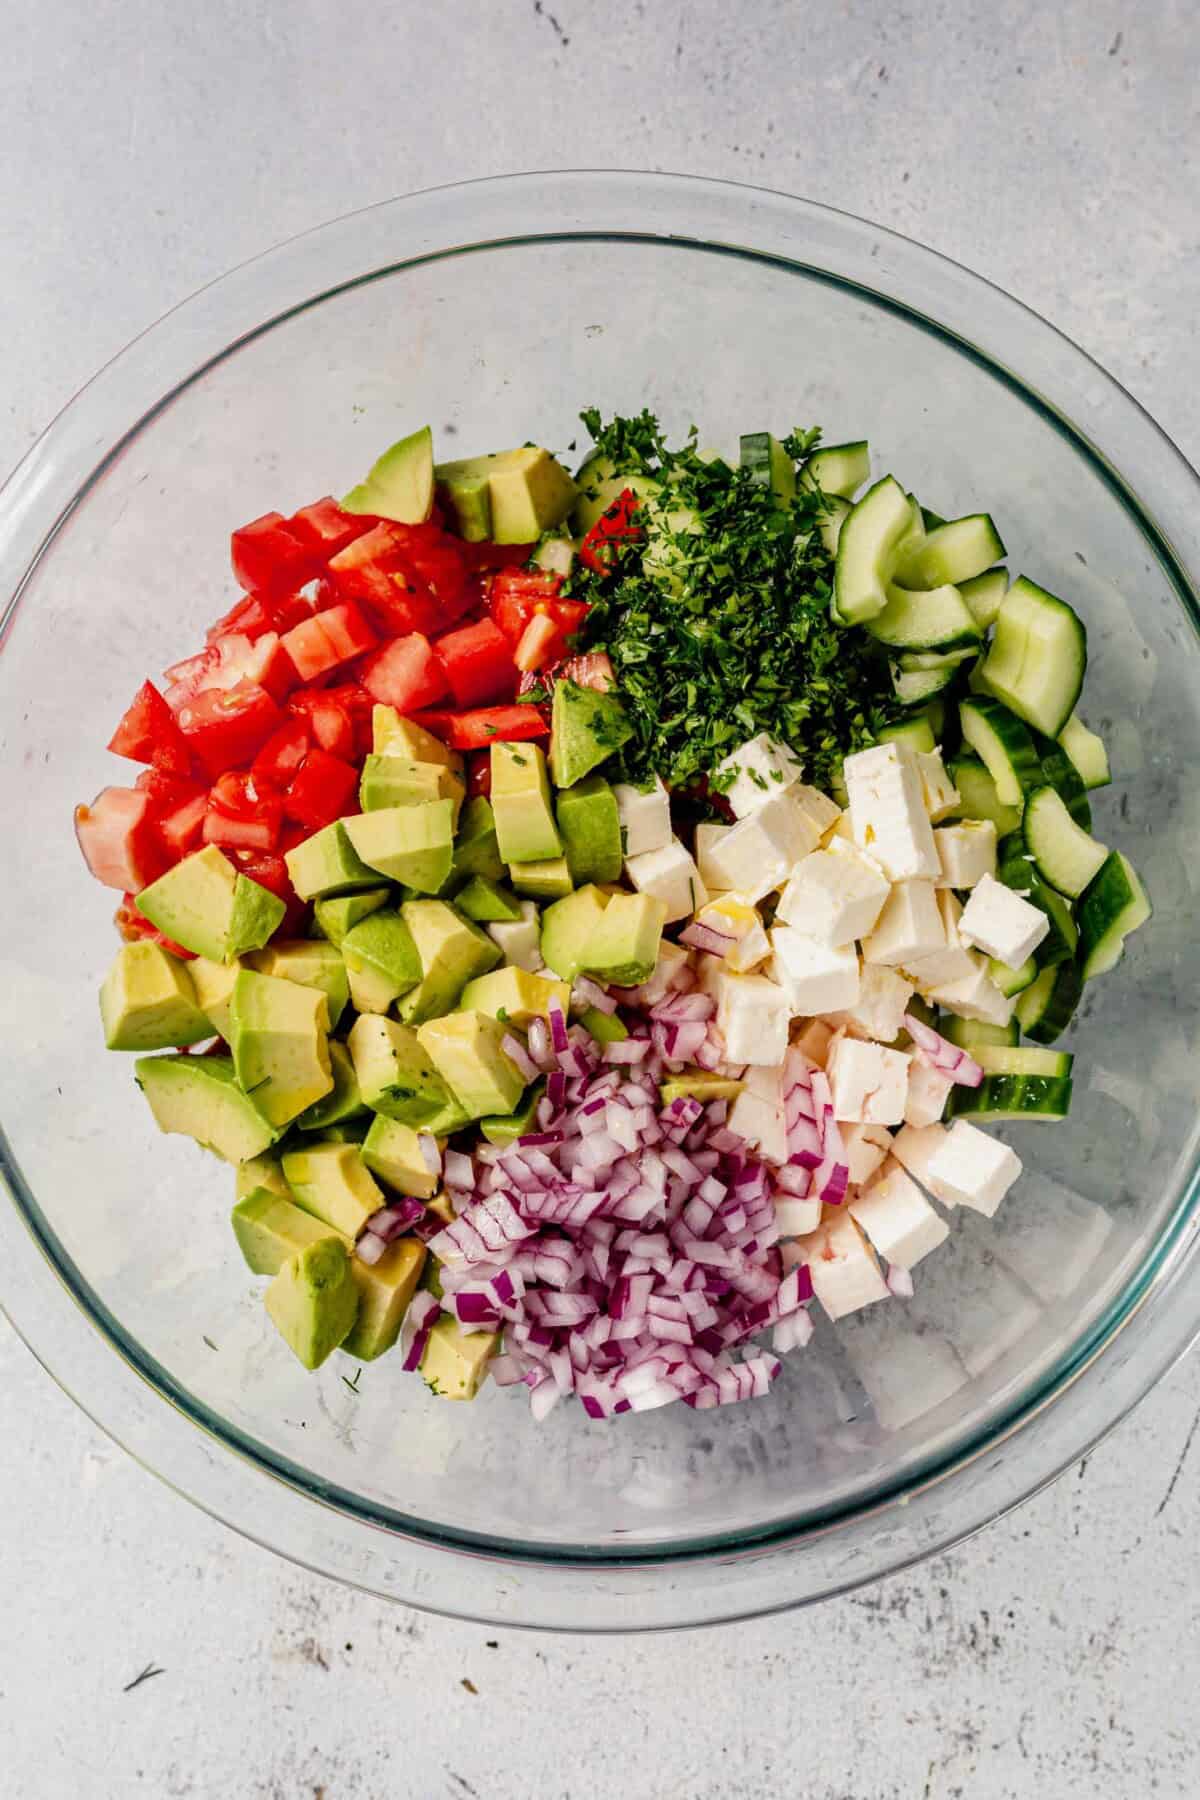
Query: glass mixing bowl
x,y
495,311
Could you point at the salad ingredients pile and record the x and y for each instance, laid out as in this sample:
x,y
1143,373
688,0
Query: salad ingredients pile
x,y
595,916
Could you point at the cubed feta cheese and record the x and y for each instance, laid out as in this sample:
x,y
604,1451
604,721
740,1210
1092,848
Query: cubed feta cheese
x,y
878,1012
887,811
708,835
868,1082
815,977
521,939
966,852
835,895
865,1146
937,790
954,962
758,853
898,1218
928,1091
997,921
814,1041
753,1016
796,1218
910,926
645,815
670,875
975,996
841,833
823,812
709,972
972,1169
750,775
757,1113
845,1272
915,1147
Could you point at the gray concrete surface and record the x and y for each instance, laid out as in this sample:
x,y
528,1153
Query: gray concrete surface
x,y
144,148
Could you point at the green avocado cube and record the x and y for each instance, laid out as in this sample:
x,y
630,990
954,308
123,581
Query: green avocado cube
x,y
476,851
147,1001
395,1075
198,1096
393,736
279,1036
486,901
606,1028
466,1049
391,780
568,928
312,964
448,1119
455,1363
392,1152
205,905
213,985
385,1290
624,947
467,493
327,864
506,1128
331,1181
400,484
313,1300
452,950
514,996
384,943
547,880
348,1131
412,844
342,1102
698,1084
269,1229
342,912
525,828
590,828
527,492
586,726
265,1171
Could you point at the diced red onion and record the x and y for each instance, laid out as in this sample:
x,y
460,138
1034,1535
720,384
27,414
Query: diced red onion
x,y
586,992
422,1314
458,1170
942,1055
558,1028
705,937
540,1048
370,1248
520,1058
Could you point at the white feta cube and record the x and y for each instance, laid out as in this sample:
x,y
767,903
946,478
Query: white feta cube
x,y
796,1218
887,811
975,996
823,811
928,1091
841,833
898,1218
997,921
845,1271
815,977
757,1113
756,771
937,790
865,1146
954,962
521,939
966,852
708,835
753,1016
869,1083
915,1147
835,895
758,853
670,875
883,996
709,972
910,926
972,1169
645,816
814,1041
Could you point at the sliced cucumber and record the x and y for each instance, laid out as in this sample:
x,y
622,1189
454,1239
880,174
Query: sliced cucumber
x,y
1086,751
969,1034
1112,905
924,619
978,796
838,469
1004,745
1062,775
1066,856
984,594
1001,1097
920,674
832,520
916,733
1012,981
1015,870
999,1059
951,553
930,519
871,534
1048,1004
769,464
1038,656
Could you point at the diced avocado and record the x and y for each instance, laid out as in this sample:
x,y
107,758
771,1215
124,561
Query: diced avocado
x,y
371,991
568,928
342,1102
313,1300
548,880
279,1036
385,1289
525,828
391,1151
391,780
341,913
332,1182
382,945
466,1050
205,905
348,1131
395,1076
198,1096
698,1084
213,985
606,1028
624,946
486,901
527,492
448,1119
476,851
586,726
393,736
514,996
441,1208
590,828
506,1128
310,963
454,1363
452,950
412,844
327,863
269,1230
400,485
148,1002
467,493
265,1171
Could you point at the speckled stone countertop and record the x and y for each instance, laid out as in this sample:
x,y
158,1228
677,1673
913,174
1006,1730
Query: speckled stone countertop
x,y
143,149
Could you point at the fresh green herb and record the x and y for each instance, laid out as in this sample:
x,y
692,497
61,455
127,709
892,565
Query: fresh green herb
x,y
353,1385
147,1674
518,758
502,1015
534,696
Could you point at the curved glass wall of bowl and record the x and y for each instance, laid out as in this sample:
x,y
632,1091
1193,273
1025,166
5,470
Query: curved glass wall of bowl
x,y
495,311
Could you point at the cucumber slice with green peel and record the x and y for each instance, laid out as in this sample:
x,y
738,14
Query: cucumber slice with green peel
x,y
924,619
1012,981
916,733
1004,746
1038,656
1011,1097
920,674
1086,751
1066,855
1000,1059
1048,1004
769,464
984,594
930,519
832,519
953,552
1112,905
969,1034
838,469
978,796
871,534
1062,775
1015,870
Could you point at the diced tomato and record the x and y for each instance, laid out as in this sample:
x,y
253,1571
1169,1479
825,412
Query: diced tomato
x,y
515,594
239,817
328,639
479,773
278,762
496,556
409,577
182,829
119,838
593,669
226,729
148,733
132,925
257,614
271,872
325,529
269,558
167,791
325,789
357,705
329,722
477,729
406,674
478,661
233,658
